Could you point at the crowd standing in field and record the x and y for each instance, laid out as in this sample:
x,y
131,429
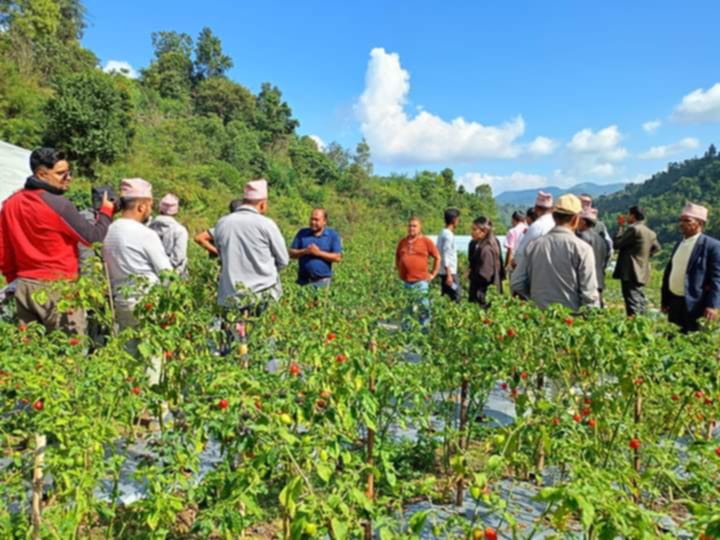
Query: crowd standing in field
x,y
557,252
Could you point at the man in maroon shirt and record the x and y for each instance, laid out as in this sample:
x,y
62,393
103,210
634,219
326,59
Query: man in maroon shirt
x,y
39,233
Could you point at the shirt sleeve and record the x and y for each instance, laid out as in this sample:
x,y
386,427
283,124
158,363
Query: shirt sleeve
x,y
520,279
510,239
448,249
713,277
8,265
297,242
277,246
178,257
156,254
587,278
76,226
432,248
336,246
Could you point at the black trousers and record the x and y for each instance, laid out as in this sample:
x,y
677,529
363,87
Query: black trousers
x,y
478,292
678,314
634,295
451,292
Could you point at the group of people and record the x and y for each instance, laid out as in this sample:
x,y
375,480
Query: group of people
x,y
44,239
557,252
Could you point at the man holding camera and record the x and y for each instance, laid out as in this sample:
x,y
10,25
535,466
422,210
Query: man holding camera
x,y
39,233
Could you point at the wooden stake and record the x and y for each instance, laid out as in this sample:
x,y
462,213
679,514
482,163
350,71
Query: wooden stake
x,y
541,445
37,484
370,448
463,423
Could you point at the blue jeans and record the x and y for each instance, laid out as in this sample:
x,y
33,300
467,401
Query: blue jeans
x,y
420,303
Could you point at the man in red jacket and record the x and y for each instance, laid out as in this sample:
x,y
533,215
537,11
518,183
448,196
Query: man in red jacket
x,y
39,233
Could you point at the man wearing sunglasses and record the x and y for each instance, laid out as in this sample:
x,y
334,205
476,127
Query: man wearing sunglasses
x,y
39,233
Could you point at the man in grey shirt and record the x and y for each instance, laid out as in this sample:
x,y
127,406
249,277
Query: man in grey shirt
x,y
252,252
559,268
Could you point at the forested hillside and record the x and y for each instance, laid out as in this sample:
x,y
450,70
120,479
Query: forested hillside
x,y
663,195
187,127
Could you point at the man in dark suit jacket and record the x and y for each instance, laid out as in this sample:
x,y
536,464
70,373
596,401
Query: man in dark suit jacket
x,y
587,231
635,245
691,283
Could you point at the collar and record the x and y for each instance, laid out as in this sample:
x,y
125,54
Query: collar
x,y
33,182
323,233
559,229
248,208
693,238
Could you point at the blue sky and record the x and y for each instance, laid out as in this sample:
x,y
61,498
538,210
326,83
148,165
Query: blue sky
x,y
516,94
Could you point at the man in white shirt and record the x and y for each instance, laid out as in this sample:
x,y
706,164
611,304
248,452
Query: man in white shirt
x,y
691,283
542,224
133,252
135,257
449,282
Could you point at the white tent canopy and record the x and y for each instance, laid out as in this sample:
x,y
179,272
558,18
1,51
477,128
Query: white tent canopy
x,y
14,169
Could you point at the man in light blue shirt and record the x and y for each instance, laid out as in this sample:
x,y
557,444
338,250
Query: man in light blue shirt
x,y
449,283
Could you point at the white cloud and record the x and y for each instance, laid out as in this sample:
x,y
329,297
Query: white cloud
x,y
604,145
499,183
320,143
542,146
651,126
594,155
700,106
662,152
121,67
395,137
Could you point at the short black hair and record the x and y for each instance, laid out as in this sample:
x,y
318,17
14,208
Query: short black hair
x,y
130,203
483,223
235,205
562,218
451,214
518,215
637,212
45,157
530,213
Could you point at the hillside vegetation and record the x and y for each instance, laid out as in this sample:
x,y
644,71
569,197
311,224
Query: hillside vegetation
x,y
664,194
187,127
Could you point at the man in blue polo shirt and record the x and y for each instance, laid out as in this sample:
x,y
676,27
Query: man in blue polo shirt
x,y
317,247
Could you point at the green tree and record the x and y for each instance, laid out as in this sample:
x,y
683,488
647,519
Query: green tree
x,y
22,103
310,163
339,155
273,116
209,58
89,117
227,99
362,157
170,74
41,37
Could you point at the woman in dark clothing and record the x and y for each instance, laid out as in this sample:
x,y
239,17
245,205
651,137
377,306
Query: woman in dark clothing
x,y
485,266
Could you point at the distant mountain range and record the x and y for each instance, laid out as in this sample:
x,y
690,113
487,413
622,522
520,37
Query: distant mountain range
x,y
526,197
